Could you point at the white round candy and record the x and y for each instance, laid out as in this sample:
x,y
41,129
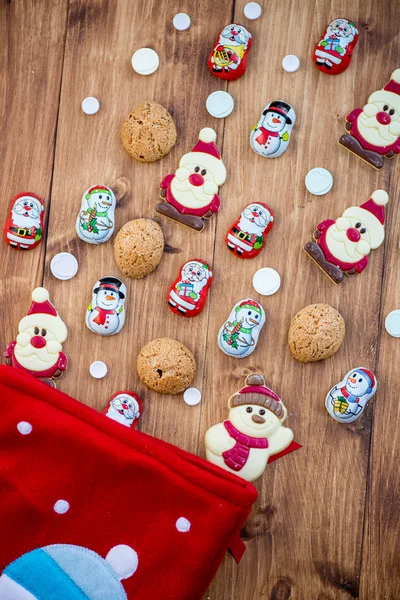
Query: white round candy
x,y
181,21
61,507
252,11
98,369
183,525
392,323
266,281
145,61
220,104
90,105
290,63
64,266
319,181
192,396
24,427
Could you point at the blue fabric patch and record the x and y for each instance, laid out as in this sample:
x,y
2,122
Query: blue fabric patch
x,y
37,572
91,573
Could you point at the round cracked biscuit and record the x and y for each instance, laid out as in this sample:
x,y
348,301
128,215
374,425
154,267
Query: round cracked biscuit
x,y
138,247
315,333
148,133
166,366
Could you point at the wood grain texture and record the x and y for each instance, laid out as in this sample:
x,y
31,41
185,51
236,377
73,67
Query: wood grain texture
x,y
325,526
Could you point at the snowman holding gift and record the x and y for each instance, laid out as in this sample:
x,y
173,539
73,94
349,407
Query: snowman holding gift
x,y
346,400
95,221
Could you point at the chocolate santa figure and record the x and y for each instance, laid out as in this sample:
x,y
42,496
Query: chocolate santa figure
x,y
124,407
38,347
253,434
188,294
374,130
333,52
246,237
228,58
342,246
24,227
190,195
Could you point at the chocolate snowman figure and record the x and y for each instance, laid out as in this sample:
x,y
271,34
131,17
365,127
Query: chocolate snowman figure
x,y
254,431
105,314
270,137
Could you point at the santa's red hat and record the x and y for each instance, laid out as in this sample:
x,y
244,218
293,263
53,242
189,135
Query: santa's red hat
x,y
41,303
205,154
256,392
390,94
371,214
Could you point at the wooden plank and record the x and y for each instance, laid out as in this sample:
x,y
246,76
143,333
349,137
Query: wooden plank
x,y
380,567
101,39
31,57
305,535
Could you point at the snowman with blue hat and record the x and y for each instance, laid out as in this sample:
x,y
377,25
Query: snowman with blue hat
x,y
68,572
346,400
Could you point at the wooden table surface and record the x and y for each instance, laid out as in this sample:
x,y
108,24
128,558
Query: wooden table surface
x,y
326,523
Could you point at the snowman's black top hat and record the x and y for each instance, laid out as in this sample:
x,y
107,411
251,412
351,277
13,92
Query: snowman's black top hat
x,y
280,107
110,283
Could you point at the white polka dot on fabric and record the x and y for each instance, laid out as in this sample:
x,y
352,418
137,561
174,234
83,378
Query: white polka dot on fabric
x,y
183,525
61,507
24,427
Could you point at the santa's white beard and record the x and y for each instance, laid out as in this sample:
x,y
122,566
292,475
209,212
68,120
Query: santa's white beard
x,y
191,196
36,359
375,133
24,222
246,225
344,249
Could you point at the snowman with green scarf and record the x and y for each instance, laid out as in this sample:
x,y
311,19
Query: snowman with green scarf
x,y
95,221
238,336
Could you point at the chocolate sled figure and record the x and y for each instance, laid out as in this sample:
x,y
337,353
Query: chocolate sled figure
x,y
342,247
374,130
190,195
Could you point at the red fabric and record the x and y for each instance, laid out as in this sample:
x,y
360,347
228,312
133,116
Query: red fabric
x,y
100,318
124,487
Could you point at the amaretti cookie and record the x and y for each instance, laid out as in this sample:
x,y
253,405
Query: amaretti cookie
x,y
166,366
148,133
138,247
315,333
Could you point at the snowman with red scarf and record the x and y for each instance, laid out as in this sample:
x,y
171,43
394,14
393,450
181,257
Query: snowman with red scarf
x,y
347,399
254,431
270,137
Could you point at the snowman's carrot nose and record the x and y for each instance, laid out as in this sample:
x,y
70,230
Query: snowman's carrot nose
x,y
106,203
352,379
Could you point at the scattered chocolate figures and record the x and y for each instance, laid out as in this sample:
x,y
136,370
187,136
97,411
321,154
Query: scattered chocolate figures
x,y
345,402
246,238
105,314
24,227
270,137
342,246
95,221
238,336
374,130
188,294
191,194
254,432
124,407
228,58
41,333
334,50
